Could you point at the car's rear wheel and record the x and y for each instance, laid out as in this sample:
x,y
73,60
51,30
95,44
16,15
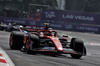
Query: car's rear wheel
x,y
16,40
78,46
2,28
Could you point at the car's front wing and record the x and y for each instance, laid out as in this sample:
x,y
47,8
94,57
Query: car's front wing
x,y
52,49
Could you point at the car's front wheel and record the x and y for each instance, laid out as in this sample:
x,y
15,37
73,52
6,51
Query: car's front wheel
x,y
78,46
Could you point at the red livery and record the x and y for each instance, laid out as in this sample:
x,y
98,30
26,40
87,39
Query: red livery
x,y
46,40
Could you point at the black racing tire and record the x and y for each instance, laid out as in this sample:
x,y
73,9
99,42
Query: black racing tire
x,y
76,56
10,30
32,42
35,39
16,40
77,45
2,28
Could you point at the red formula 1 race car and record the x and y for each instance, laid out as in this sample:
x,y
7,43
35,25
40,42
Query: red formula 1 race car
x,y
45,40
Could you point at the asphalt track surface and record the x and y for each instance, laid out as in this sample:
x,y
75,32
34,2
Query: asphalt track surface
x,y
92,43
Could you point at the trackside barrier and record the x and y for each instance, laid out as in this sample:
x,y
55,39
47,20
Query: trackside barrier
x,y
70,17
54,25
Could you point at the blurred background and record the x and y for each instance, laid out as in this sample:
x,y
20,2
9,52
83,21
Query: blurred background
x,y
25,8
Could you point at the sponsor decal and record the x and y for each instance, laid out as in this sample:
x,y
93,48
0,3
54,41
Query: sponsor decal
x,y
8,20
14,20
56,25
50,14
68,26
19,21
87,28
32,22
77,17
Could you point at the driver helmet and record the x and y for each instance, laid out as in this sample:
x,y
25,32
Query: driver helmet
x,y
21,27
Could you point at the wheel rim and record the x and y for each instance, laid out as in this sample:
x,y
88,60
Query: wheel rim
x,y
11,40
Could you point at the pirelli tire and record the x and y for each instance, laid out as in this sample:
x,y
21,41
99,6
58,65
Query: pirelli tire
x,y
35,39
77,45
10,29
2,28
16,40
32,42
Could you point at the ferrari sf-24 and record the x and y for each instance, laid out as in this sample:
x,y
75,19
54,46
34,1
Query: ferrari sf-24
x,y
46,40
